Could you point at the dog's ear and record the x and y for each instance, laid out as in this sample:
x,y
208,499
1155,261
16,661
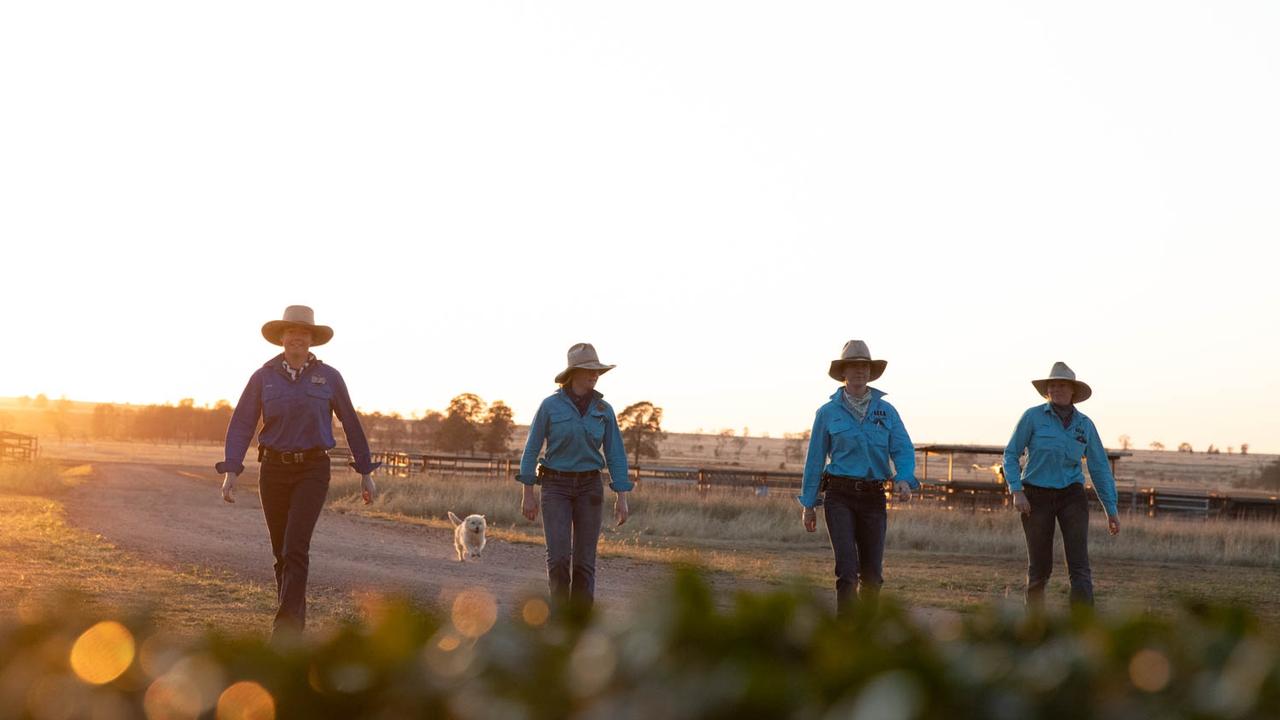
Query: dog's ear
x,y
454,519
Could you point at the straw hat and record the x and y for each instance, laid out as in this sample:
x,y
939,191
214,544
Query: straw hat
x,y
583,357
1060,371
297,316
855,351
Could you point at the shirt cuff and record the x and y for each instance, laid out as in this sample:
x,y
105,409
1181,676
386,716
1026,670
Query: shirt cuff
x,y
526,479
621,486
365,469
817,503
226,466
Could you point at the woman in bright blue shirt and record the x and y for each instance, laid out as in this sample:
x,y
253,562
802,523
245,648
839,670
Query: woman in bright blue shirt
x,y
296,396
854,436
581,435
1055,436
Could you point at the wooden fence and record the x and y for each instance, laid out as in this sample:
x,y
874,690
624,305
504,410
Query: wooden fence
x,y
950,493
22,448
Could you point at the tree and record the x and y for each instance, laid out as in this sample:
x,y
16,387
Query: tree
x,y
498,426
429,429
722,440
461,427
1157,445
106,421
1126,442
794,448
1244,448
641,426
1185,447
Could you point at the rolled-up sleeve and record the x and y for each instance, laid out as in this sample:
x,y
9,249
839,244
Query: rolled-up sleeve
x,y
532,446
362,458
1104,481
903,453
1013,453
819,448
615,454
244,420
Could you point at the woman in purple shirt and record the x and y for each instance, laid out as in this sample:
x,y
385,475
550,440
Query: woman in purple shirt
x,y
296,396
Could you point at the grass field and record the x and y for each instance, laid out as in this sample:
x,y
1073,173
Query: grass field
x,y
935,557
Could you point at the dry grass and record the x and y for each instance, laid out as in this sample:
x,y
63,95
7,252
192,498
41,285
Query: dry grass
x,y
674,516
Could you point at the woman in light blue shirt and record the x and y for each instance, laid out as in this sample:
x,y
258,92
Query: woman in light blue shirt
x,y
854,436
1055,436
581,435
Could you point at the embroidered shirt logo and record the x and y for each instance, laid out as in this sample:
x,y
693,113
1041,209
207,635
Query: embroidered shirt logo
x,y
317,380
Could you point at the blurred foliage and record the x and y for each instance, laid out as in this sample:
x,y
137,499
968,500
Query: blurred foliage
x,y
777,655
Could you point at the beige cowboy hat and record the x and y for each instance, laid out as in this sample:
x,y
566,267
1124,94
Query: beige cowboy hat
x,y
583,357
297,316
1060,371
855,351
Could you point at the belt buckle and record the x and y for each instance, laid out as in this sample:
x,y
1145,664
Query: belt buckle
x,y
299,458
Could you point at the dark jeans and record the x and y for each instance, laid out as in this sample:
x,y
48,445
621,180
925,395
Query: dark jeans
x,y
292,496
856,522
571,517
1069,507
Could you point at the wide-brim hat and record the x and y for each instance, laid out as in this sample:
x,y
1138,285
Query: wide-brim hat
x,y
1060,371
297,316
855,351
583,357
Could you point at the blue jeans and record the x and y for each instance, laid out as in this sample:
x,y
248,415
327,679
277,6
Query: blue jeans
x,y
1069,508
856,522
292,497
571,518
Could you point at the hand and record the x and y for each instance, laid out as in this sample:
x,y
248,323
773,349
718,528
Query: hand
x,y
1021,503
810,519
529,504
903,489
229,488
1113,524
368,488
620,510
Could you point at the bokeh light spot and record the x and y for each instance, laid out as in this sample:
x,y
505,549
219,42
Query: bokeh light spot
x,y
246,700
474,612
535,612
102,653
1149,670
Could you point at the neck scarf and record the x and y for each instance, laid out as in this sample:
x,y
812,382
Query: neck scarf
x,y
295,373
856,405
1064,412
582,402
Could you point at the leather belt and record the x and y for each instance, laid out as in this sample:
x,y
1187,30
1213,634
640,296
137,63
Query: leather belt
x,y
546,472
291,457
840,483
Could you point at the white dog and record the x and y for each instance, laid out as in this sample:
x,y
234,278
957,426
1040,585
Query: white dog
x,y
468,535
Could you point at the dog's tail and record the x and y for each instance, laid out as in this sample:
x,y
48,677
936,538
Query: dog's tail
x,y
454,519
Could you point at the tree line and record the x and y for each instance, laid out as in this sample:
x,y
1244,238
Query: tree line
x,y
468,425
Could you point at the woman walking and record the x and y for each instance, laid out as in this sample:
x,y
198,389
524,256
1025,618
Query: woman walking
x,y
581,435
296,396
854,436
1055,436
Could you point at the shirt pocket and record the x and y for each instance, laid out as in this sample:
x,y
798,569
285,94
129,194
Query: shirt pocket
x,y
844,437
319,396
877,432
275,401
595,428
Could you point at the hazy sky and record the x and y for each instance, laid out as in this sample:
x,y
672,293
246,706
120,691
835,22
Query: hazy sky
x,y
717,194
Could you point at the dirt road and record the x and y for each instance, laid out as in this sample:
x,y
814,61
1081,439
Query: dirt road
x,y
177,517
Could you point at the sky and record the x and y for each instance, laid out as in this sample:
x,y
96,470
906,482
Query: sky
x,y
716,194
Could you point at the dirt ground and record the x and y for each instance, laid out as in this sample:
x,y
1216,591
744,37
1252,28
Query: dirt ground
x,y
175,516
